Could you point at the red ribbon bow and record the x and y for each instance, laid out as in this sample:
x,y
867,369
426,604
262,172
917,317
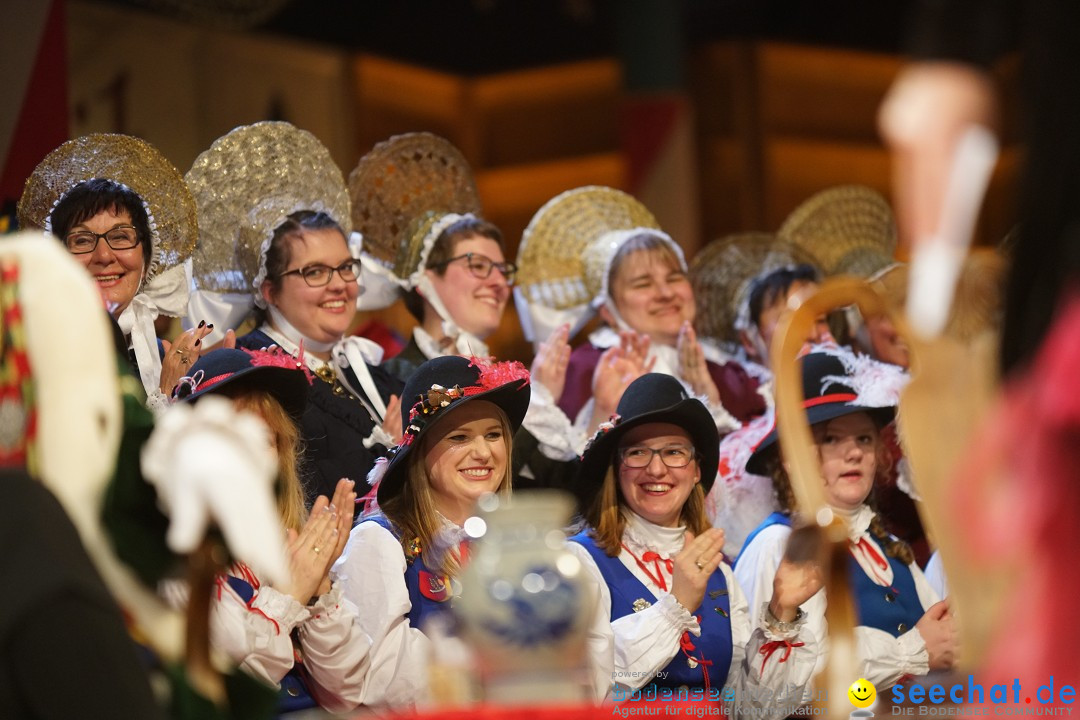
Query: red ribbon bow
x,y
772,646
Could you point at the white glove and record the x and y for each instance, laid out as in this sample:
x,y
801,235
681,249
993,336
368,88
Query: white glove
x,y
210,462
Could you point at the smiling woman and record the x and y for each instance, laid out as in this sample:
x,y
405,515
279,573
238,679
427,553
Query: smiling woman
x,y
416,202
903,629
402,564
126,214
278,248
598,251
660,567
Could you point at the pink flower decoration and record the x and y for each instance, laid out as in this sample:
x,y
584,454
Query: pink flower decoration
x,y
276,357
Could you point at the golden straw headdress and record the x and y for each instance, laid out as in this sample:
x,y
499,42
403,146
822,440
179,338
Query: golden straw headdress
x,y
128,161
723,273
405,191
246,185
170,210
566,251
850,229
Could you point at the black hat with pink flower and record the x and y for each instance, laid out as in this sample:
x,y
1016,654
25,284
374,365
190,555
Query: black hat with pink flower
x,y
433,391
273,371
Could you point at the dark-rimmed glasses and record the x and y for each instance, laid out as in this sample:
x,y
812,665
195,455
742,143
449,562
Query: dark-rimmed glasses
x,y
480,266
121,237
639,456
320,275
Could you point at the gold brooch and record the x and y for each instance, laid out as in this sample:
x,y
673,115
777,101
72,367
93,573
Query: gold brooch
x,y
326,374
641,604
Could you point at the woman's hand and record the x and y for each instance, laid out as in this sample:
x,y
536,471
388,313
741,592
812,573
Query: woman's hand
x,y
692,366
318,545
344,503
228,342
392,420
618,367
939,633
180,355
793,584
694,566
553,357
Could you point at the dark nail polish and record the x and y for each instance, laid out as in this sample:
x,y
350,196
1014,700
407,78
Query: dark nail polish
x,y
201,323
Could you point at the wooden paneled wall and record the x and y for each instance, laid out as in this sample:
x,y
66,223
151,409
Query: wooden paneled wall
x,y
775,124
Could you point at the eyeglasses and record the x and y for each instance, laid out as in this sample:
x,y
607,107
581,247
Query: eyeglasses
x,y
121,237
639,456
480,266
320,275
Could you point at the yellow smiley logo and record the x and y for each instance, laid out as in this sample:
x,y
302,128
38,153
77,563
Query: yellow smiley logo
x,y
862,693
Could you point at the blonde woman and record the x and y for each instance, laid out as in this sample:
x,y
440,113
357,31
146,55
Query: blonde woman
x,y
459,415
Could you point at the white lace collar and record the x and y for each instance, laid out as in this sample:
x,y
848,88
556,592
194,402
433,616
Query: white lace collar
x,y
858,520
640,534
428,345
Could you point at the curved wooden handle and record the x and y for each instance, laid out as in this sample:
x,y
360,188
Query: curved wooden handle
x,y
792,329
804,468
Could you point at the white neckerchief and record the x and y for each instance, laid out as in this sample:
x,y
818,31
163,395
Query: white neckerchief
x,y
641,535
165,294
858,523
349,351
137,324
449,531
462,342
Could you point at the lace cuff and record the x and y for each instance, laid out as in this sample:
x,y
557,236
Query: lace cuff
x,y
914,657
283,609
677,615
157,403
327,603
379,436
777,629
725,422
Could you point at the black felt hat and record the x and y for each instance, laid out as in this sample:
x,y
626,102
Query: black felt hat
x,y
652,398
831,388
275,372
435,389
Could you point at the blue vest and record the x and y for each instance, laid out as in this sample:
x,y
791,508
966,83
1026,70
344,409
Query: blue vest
x,y
425,587
714,616
294,694
893,609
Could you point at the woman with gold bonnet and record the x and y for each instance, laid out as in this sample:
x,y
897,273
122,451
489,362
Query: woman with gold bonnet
x,y
414,198
278,246
125,213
